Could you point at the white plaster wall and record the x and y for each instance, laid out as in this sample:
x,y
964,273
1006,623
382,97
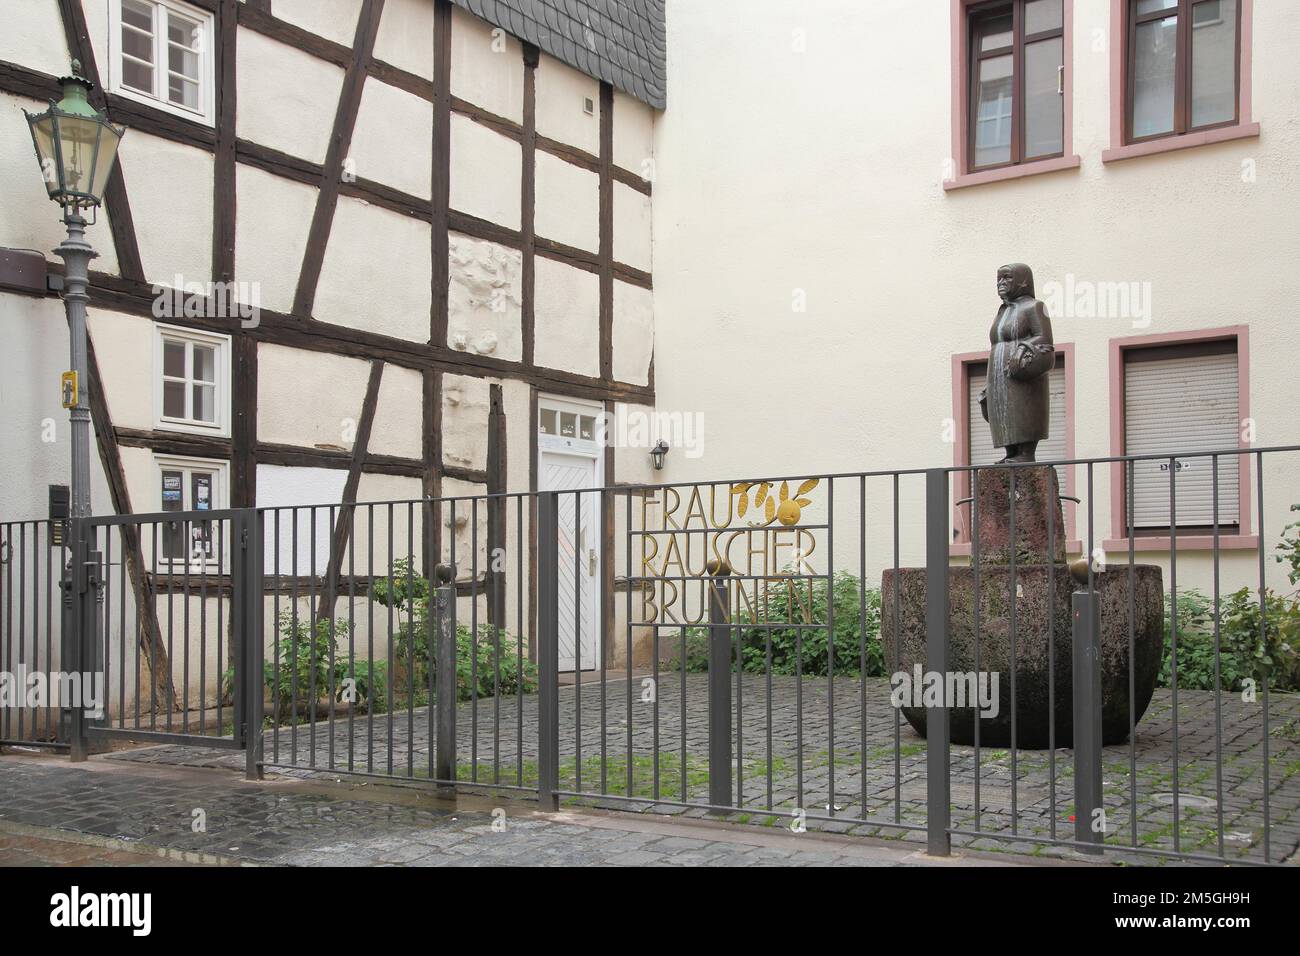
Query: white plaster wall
x,y
124,349
486,169
485,298
33,36
309,399
376,274
632,225
272,218
633,134
487,66
899,275
405,37
398,414
633,333
386,110
561,114
465,421
34,428
294,489
287,98
332,19
403,528
567,317
568,203
171,203
28,219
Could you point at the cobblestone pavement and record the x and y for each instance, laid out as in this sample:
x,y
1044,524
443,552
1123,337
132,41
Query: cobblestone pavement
x,y
794,755
116,808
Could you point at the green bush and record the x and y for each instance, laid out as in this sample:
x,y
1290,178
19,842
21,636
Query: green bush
x,y
803,649
1243,652
491,667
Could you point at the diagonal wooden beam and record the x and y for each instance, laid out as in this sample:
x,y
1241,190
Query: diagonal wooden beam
x,y
345,121
343,521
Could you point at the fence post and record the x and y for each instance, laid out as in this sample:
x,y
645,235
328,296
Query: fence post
x,y
1086,614
250,610
937,736
719,686
548,649
444,609
79,632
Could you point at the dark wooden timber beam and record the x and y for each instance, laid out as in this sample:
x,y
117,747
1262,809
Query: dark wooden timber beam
x,y
345,120
606,263
497,519
343,521
527,207
440,177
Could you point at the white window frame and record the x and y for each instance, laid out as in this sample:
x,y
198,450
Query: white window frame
x,y
207,62
220,470
219,428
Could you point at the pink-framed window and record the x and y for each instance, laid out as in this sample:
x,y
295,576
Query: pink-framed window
x,y
1180,75
1012,71
1180,393
973,444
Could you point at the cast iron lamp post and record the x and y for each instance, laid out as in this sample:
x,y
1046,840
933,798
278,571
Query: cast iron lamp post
x,y
76,146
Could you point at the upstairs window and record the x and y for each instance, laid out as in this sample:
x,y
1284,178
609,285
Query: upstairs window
x,y
1182,67
1017,82
192,390
161,54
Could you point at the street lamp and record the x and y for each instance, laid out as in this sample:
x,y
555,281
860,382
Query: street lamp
x,y
76,146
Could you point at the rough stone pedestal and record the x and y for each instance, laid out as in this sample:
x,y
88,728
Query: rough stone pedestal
x,y
1043,633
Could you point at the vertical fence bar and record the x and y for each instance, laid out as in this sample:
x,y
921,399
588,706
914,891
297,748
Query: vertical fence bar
x,y
444,602
251,680
548,649
937,762
719,687
1086,614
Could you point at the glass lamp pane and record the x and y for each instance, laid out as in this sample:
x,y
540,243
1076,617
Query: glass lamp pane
x,y
78,137
1155,53
1044,106
1214,62
109,141
205,409
993,112
174,399
1042,15
43,134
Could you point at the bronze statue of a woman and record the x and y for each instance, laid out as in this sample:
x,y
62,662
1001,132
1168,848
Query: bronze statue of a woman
x,y
1016,401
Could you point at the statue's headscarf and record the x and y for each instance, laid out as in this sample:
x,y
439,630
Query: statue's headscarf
x,y
1022,280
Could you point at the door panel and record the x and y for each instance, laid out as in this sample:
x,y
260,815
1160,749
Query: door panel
x,y
580,553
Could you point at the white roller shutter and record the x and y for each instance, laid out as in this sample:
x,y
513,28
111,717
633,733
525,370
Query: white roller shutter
x,y
982,450
1184,404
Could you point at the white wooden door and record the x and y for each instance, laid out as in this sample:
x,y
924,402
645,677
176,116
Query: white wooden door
x,y
569,459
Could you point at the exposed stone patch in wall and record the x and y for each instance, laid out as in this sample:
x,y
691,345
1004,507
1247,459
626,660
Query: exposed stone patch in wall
x,y
485,298
464,421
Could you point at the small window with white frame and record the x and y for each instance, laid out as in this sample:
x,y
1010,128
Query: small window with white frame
x,y
191,381
189,485
160,53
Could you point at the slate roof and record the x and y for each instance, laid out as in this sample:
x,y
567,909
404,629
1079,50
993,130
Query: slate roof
x,y
619,41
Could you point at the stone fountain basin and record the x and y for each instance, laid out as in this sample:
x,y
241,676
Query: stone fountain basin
x,y
1043,593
